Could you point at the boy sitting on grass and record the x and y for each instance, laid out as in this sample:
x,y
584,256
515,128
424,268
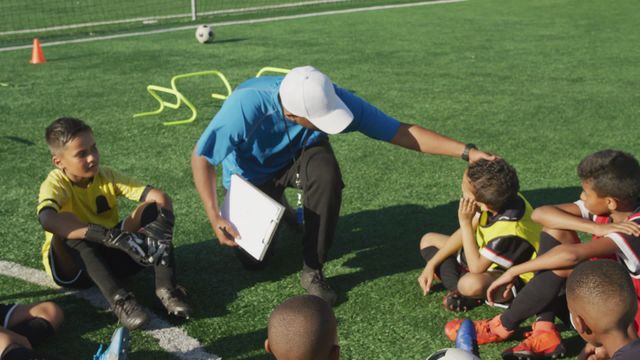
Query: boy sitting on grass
x,y
303,328
602,303
85,242
501,236
609,209
26,326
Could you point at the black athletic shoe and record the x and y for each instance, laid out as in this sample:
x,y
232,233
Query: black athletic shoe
x,y
128,311
315,283
175,301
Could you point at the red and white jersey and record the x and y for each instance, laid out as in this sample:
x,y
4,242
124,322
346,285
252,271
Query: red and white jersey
x,y
628,245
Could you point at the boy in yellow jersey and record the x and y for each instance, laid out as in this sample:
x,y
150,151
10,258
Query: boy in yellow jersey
x,y
500,236
85,241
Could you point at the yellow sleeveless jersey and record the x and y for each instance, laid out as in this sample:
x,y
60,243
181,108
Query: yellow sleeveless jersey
x,y
510,237
96,204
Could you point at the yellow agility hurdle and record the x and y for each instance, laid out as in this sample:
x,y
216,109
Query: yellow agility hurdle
x,y
180,98
272,69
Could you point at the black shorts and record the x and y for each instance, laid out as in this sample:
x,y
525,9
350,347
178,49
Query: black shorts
x,y
6,310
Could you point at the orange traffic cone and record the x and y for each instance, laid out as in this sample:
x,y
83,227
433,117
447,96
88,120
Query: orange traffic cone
x,y
37,57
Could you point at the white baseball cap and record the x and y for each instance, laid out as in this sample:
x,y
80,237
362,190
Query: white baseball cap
x,y
308,93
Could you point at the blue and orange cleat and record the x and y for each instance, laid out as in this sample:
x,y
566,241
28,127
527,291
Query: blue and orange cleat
x,y
118,347
487,331
466,339
543,342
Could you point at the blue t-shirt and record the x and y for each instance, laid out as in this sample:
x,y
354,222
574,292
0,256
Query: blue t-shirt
x,y
249,133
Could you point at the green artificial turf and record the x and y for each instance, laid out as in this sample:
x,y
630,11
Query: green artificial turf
x,y
540,83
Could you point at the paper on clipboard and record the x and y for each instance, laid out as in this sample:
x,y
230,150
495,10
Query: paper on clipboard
x,y
253,213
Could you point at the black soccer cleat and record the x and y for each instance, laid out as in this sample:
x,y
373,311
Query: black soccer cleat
x,y
128,311
175,301
316,284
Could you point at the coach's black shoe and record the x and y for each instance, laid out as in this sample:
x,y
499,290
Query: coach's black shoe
x,y
315,283
175,301
128,311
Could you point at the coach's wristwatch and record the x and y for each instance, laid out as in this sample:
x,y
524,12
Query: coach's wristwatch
x,y
467,149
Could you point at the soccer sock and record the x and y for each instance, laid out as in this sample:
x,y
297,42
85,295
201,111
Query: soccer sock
x,y
90,255
546,316
19,352
165,273
35,329
448,271
539,293
548,242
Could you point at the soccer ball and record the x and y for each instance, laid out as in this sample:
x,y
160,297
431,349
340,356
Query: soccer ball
x,y
452,354
204,34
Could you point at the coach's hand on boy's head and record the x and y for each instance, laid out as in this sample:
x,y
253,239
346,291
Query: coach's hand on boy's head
x,y
225,232
625,227
475,155
506,280
426,278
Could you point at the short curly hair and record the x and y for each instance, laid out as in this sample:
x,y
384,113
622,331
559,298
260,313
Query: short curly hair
x,y
494,182
612,173
63,130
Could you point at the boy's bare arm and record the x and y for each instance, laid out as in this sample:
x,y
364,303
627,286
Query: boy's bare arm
x,y
451,246
466,212
562,216
569,217
204,177
65,225
564,256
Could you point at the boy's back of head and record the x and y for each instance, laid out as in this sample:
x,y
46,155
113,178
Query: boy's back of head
x,y
612,173
63,130
495,182
601,292
303,328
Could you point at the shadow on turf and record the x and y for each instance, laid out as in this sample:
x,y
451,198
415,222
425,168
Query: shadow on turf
x,y
19,297
18,140
234,40
380,242
386,240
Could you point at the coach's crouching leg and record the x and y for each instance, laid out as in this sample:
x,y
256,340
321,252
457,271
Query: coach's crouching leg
x,y
322,188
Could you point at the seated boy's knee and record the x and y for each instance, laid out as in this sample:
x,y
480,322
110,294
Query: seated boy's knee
x,y
427,240
49,311
5,340
471,286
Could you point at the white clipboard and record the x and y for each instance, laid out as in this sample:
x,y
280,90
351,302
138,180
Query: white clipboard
x,y
253,214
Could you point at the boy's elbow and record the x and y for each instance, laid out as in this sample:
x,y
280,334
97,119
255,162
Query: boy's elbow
x,y
477,268
538,214
535,215
44,218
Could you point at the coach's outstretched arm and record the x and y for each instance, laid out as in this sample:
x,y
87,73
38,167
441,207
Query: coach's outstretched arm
x,y
204,176
415,137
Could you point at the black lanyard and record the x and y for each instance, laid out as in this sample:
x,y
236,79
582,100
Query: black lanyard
x,y
299,207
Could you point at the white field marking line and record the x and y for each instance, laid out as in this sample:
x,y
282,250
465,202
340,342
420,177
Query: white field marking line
x,y
170,338
152,18
238,22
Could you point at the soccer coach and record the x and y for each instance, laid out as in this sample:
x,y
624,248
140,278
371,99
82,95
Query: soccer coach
x,y
273,130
